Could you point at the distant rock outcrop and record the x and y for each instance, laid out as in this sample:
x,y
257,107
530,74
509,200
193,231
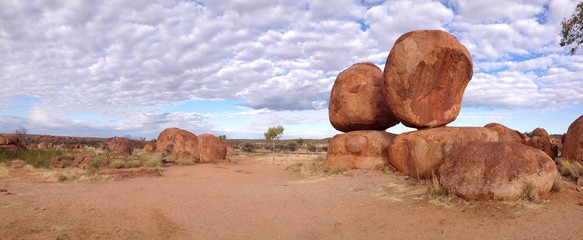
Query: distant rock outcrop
x,y
497,171
150,147
420,153
573,143
365,149
425,77
181,144
211,148
356,101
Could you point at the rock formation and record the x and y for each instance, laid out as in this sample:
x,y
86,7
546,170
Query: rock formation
x,y
359,150
211,148
179,143
573,143
497,171
356,101
420,153
120,146
425,77
505,133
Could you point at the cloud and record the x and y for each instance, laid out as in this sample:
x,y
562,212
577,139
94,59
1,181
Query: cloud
x,y
124,62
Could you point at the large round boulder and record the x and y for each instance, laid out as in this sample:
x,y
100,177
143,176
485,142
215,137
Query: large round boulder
x,y
542,143
366,149
181,144
425,77
573,143
505,133
420,153
211,148
356,101
497,171
120,146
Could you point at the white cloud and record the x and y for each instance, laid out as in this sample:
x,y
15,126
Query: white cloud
x,y
126,60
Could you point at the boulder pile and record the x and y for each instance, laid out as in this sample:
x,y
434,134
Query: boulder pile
x,y
10,143
422,87
184,145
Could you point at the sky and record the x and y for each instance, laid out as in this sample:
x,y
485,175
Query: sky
x,y
134,68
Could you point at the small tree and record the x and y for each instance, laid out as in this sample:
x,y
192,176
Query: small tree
x,y
223,137
273,133
21,134
572,29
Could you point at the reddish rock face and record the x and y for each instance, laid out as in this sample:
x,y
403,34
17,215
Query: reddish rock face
x,y
540,132
425,78
542,143
356,101
120,146
420,153
359,150
180,143
505,133
8,139
573,143
211,148
496,171
150,147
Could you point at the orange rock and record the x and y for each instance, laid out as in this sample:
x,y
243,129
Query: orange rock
x,y
425,77
211,148
8,140
420,153
120,146
180,143
573,143
366,149
542,143
497,171
356,101
505,133
150,147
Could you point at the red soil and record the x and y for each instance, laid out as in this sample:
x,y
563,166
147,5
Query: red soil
x,y
247,200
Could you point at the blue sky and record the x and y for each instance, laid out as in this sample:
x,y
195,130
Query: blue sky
x,y
117,68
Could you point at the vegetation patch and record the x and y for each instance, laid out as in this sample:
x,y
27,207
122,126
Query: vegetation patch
x,y
569,169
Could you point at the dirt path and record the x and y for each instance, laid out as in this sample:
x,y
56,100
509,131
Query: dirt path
x,y
251,201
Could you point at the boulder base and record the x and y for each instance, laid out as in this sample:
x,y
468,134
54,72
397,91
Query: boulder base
x,y
420,153
211,148
359,150
497,171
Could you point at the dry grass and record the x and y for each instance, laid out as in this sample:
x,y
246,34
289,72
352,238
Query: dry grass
x,y
531,193
558,184
304,164
570,169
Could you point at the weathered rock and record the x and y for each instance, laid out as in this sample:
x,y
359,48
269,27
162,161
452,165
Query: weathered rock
x,y
8,140
17,163
356,101
44,145
540,132
425,77
365,149
542,143
181,144
420,153
150,147
573,144
120,146
211,148
497,171
505,133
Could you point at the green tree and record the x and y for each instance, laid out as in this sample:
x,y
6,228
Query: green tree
x,y
273,133
572,29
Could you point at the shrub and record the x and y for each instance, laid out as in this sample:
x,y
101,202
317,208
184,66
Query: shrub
x,y
292,147
531,193
312,148
117,164
248,147
62,178
183,162
569,168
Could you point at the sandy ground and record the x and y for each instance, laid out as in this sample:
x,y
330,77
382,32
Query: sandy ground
x,y
247,200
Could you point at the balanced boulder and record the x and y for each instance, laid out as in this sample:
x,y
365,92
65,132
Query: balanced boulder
x,y
497,171
573,143
420,153
356,101
366,149
181,144
425,77
211,148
